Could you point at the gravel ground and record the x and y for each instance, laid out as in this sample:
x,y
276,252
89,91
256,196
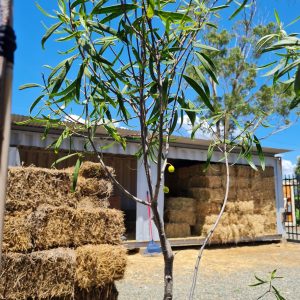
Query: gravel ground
x,y
225,273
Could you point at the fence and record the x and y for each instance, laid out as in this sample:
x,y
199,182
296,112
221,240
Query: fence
x,y
291,194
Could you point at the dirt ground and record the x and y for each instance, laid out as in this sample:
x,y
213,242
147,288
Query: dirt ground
x,y
225,273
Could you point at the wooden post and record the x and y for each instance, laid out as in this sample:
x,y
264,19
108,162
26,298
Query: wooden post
x,y
6,72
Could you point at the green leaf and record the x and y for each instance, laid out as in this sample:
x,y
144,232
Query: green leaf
x,y
77,2
75,174
150,9
210,152
173,17
36,101
63,158
114,9
277,17
260,153
295,102
216,8
202,80
206,47
44,12
297,82
29,85
200,91
236,12
208,65
49,32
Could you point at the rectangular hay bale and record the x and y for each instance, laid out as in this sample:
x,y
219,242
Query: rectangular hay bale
x,y
176,230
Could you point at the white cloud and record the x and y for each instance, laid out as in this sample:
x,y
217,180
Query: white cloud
x,y
205,131
287,167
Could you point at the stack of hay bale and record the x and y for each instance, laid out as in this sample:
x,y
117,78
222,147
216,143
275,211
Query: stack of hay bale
x,y
180,215
59,244
250,211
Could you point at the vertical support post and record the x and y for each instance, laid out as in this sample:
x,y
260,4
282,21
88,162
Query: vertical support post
x,y
7,48
279,196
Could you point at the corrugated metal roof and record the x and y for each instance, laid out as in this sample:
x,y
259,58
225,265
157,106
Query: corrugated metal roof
x,y
176,141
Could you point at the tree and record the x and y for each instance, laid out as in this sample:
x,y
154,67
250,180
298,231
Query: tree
x,y
237,64
128,61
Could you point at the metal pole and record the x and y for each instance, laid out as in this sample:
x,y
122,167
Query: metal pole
x,y
6,72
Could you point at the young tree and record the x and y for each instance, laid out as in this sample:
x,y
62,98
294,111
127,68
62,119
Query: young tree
x,y
128,61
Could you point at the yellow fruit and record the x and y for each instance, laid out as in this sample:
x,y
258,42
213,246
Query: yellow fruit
x,y
171,169
166,190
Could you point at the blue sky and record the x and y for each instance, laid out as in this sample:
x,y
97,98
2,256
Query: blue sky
x,y
30,57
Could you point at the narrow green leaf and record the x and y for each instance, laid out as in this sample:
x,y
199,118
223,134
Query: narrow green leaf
x,y
236,12
206,47
44,12
36,101
29,85
297,82
200,91
208,65
49,32
295,102
63,158
260,153
114,9
75,174
277,17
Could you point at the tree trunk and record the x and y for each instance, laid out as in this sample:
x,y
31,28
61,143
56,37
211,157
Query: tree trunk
x,y
167,252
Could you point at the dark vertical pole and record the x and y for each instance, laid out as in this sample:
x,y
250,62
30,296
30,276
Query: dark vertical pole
x,y
7,47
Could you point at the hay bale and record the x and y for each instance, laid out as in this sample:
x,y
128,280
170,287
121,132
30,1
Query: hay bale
x,y
17,232
212,170
98,226
90,169
262,184
40,275
95,187
180,203
243,171
206,194
205,208
205,181
27,188
176,230
242,182
53,226
244,207
97,265
268,172
244,195
92,202
106,292
181,216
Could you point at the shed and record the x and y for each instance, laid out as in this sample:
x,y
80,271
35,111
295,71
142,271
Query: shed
x,y
187,156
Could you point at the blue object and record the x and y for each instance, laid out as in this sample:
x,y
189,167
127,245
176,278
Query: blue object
x,y
152,248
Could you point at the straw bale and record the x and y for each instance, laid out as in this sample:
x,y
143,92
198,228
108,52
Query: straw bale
x,y
95,187
242,182
268,172
181,216
90,169
176,230
98,226
205,181
244,194
97,265
17,232
205,208
92,202
30,187
262,184
53,226
212,170
222,234
184,173
245,207
106,292
205,194
44,274
243,171
180,203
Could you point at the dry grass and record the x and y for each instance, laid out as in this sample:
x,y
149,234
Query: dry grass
x,y
99,265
